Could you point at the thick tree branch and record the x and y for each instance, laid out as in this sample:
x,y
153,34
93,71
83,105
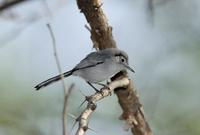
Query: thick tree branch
x,y
101,32
101,35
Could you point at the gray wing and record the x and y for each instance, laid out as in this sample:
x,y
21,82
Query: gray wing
x,y
91,60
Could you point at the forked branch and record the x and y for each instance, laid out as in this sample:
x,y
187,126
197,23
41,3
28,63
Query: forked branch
x,y
101,36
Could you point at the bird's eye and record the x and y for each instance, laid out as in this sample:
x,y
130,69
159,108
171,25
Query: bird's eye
x,y
122,60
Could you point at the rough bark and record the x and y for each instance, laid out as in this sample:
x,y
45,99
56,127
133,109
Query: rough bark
x,y
101,36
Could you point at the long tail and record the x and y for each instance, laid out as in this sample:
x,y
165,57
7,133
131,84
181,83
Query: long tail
x,y
52,80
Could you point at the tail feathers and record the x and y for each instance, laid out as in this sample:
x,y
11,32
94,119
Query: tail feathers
x,y
52,80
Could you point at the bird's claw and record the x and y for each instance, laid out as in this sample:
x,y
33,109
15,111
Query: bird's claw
x,y
108,88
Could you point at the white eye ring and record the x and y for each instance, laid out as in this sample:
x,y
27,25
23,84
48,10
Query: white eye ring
x,y
122,60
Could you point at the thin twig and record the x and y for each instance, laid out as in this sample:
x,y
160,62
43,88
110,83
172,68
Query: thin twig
x,y
87,27
65,89
91,106
64,113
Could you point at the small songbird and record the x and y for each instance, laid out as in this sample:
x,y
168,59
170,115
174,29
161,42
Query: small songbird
x,y
96,67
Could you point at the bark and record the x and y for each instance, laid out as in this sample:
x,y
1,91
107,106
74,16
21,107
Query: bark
x,y
101,36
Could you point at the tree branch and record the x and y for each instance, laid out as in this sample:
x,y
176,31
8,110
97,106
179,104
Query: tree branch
x,y
91,106
101,32
101,35
7,4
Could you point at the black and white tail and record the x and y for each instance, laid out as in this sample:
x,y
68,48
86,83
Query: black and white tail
x,y
52,80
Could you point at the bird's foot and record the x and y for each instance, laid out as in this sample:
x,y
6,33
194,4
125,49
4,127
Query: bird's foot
x,y
108,88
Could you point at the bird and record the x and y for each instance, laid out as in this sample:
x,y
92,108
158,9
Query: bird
x,y
95,68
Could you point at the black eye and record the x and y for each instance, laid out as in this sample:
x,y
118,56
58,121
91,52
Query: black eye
x,y
122,60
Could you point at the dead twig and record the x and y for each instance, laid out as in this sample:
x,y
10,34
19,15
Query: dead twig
x,y
66,90
91,106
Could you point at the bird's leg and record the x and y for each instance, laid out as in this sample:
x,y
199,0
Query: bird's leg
x,y
93,87
105,86
101,84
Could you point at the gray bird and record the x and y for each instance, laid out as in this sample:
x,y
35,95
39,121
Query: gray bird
x,y
96,67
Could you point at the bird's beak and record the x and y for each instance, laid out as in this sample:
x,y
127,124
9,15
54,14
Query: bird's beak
x,y
129,68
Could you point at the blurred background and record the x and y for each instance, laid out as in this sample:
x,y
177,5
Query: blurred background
x,y
161,37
